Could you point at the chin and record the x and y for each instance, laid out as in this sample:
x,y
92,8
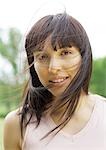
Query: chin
x,y
56,92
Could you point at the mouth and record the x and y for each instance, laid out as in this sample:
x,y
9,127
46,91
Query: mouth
x,y
58,81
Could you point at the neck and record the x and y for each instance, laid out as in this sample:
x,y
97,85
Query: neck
x,y
84,104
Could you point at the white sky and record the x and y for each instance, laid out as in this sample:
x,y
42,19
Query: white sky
x,y
91,13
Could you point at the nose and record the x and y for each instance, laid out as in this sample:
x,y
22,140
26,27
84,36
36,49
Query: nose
x,y
54,65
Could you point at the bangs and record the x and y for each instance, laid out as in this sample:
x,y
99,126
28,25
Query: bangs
x,y
62,41
66,33
63,30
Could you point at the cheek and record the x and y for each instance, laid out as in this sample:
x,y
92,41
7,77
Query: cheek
x,y
42,74
72,71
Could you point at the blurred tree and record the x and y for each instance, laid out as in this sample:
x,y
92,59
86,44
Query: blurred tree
x,y
98,80
9,49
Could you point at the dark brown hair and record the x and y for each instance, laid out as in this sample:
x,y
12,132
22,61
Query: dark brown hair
x,y
63,30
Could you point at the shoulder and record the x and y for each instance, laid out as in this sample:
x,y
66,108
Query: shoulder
x,y
12,127
100,102
12,119
11,116
99,97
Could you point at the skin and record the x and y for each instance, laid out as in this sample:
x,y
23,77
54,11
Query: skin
x,y
12,133
81,116
62,63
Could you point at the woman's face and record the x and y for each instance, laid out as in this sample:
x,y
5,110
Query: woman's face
x,y
56,69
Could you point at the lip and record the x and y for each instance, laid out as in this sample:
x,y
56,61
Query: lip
x,y
59,83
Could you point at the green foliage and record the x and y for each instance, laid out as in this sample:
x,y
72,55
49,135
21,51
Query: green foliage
x,y
10,98
10,49
10,92
98,80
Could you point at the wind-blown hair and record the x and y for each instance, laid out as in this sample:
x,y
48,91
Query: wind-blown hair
x,y
64,30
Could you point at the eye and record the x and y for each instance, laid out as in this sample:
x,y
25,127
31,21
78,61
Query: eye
x,y
65,52
42,57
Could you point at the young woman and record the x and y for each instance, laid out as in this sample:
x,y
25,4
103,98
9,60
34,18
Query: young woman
x,y
58,112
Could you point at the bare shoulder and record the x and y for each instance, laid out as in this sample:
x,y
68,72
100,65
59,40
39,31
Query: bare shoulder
x,y
13,115
12,132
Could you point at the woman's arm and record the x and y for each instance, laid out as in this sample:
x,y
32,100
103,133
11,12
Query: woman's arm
x,y
12,133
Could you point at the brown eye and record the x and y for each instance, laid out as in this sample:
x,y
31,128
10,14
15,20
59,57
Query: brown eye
x,y
65,53
43,57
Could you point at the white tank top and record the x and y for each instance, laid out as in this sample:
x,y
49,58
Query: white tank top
x,y
91,137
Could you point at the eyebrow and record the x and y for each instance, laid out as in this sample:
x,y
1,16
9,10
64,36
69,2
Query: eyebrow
x,y
60,49
37,50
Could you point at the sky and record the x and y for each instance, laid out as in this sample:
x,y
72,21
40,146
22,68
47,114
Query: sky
x,y
22,14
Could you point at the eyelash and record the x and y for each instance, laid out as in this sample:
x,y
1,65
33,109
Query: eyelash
x,y
42,56
68,52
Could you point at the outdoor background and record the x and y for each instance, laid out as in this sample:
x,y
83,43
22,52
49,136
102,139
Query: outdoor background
x,y
16,18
